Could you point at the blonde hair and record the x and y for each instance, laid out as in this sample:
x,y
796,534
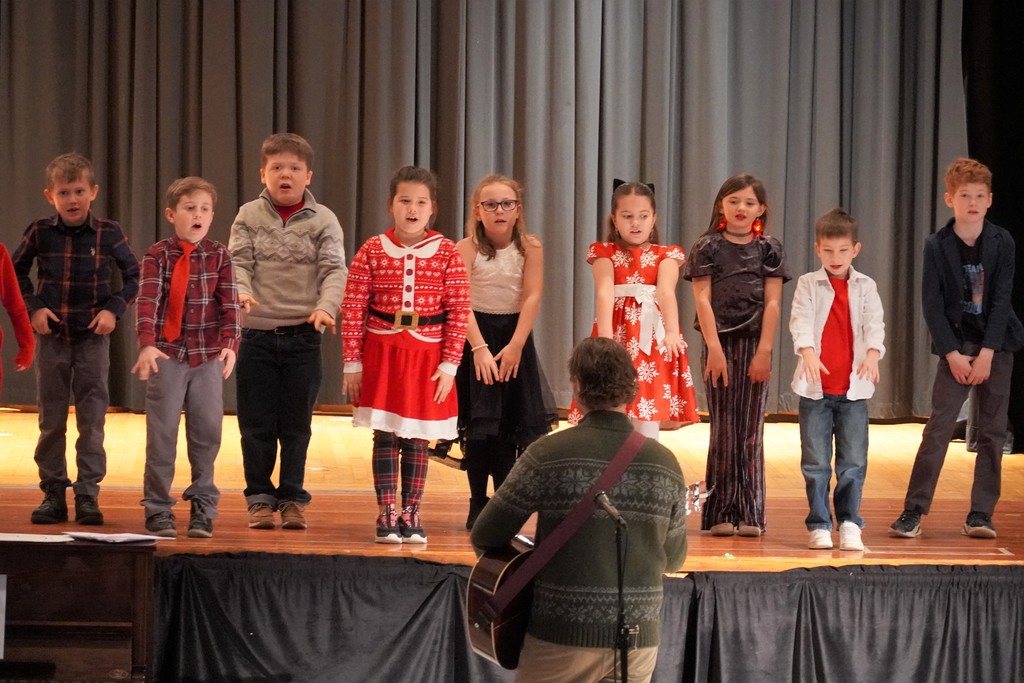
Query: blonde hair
x,y
475,227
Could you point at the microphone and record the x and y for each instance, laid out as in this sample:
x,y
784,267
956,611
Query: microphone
x,y
602,499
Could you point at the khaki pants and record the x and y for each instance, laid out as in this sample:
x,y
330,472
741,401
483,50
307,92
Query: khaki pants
x,y
542,661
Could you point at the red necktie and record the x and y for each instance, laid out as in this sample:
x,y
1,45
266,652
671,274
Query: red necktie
x,y
176,298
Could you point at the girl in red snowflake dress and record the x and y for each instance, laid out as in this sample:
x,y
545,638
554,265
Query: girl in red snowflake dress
x,y
635,281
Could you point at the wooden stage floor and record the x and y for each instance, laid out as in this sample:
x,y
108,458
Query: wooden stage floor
x,y
341,516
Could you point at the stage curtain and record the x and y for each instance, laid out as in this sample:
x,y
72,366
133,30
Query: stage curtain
x,y
269,617
858,104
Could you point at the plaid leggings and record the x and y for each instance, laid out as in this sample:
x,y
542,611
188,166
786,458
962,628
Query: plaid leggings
x,y
386,448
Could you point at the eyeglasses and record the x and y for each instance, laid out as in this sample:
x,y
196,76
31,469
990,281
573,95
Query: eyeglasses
x,y
491,206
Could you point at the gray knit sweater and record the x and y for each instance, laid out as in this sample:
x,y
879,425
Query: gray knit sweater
x,y
575,598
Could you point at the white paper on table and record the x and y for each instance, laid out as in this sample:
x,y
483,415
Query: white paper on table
x,y
112,538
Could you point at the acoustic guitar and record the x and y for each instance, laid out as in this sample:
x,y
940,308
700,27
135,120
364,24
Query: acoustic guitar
x,y
501,639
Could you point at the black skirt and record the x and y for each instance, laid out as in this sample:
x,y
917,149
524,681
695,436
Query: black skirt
x,y
520,410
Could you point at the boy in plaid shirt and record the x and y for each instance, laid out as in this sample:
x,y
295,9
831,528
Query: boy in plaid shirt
x,y
73,308
188,341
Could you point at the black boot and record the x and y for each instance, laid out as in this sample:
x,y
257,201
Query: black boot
x,y
87,510
475,507
53,510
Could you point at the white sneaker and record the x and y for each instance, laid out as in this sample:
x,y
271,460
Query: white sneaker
x,y
820,539
849,537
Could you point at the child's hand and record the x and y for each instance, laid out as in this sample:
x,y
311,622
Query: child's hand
x,y
813,367
485,366
509,358
352,384
444,385
981,367
959,366
41,318
321,319
760,369
673,345
868,369
103,323
716,368
228,356
247,302
146,364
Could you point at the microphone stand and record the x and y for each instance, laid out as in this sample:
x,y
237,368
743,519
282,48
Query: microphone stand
x,y
622,631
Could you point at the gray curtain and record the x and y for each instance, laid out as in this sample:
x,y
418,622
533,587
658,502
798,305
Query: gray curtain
x,y
858,104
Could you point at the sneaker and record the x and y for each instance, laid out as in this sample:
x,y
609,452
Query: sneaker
x,y
409,525
748,530
723,529
261,516
907,525
87,510
199,525
978,525
162,524
849,537
53,509
292,516
387,526
819,539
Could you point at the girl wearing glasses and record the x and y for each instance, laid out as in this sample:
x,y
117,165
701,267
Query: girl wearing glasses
x,y
504,401
635,285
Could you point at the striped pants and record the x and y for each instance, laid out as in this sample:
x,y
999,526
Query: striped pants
x,y
735,466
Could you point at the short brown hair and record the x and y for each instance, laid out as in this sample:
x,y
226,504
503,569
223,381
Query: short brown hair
x,y
186,186
963,171
603,372
283,143
67,168
836,223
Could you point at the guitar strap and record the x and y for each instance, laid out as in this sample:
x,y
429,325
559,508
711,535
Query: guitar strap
x,y
562,533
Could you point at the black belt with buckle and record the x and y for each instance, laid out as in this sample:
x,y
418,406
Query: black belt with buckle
x,y
292,330
408,320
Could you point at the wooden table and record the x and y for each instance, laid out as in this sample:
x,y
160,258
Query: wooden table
x,y
77,610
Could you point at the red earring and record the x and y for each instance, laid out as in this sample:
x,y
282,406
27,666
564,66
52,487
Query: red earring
x,y
757,226
721,223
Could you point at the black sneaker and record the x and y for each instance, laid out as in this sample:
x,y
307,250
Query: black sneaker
x,y
162,524
387,526
409,525
978,525
199,525
87,510
907,525
53,509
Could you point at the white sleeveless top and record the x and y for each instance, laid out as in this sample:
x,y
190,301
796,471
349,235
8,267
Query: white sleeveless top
x,y
496,285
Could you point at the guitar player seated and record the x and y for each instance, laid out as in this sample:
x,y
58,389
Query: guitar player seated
x,y
573,624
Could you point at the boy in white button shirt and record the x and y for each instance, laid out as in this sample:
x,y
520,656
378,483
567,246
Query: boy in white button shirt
x,y
837,330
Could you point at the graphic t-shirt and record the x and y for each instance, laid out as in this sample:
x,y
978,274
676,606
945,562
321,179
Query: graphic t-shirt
x,y
972,321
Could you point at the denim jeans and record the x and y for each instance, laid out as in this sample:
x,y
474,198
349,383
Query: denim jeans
x,y
278,377
847,421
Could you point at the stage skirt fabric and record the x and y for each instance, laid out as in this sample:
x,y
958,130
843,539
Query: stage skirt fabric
x,y
397,393
518,411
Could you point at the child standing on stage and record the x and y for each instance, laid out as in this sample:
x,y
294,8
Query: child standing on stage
x,y
403,328
838,331
635,281
967,297
288,253
505,403
737,274
74,309
10,297
188,340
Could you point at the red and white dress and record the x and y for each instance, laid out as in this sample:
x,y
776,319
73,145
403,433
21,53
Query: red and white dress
x,y
428,279
665,385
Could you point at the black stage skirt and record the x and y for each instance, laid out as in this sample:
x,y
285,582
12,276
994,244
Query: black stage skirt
x,y
520,410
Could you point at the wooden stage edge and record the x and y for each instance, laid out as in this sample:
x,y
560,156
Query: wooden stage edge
x,y
342,514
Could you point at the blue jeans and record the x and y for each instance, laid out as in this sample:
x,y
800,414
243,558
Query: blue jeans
x,y
278,377
820,421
